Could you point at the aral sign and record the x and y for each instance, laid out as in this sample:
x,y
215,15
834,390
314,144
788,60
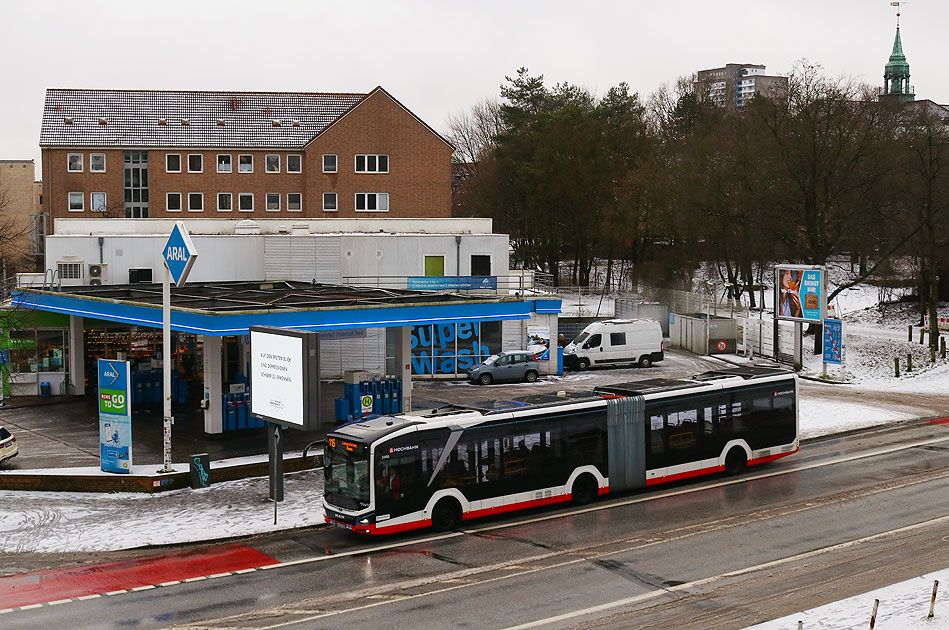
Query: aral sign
x,y
179,253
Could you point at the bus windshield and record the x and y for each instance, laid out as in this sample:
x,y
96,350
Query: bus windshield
x,y
346,476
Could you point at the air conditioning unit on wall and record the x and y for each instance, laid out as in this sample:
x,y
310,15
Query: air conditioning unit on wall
x,y
98,274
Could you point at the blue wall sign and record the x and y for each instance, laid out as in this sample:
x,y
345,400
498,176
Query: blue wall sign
x,y
115,417
453,282
179,253
833,341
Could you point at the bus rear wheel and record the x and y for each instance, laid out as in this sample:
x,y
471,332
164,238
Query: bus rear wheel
x,y
735,461
446,515
584,489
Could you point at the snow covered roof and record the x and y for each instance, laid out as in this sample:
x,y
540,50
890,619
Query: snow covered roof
x,y
152,118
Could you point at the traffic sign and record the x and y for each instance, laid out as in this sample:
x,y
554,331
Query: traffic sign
x,y
179,253
365,403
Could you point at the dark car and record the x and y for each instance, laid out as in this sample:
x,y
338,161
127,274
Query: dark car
x,y
506,366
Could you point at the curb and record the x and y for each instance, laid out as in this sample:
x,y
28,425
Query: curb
x,y
76,481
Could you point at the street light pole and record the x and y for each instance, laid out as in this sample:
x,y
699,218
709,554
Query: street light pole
x,y
167,420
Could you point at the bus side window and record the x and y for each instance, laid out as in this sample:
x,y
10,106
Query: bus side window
x,y
708,422
657,442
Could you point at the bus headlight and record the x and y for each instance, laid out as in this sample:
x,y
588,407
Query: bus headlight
x,y
364,521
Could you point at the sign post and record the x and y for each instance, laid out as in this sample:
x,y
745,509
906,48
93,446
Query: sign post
x,y
179,255
115,417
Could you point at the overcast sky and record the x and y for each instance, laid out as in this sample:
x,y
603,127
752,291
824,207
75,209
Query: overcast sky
x,y
437,57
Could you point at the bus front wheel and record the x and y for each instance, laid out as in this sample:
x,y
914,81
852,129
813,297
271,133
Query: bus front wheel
x,y
584,489
735,461
446,515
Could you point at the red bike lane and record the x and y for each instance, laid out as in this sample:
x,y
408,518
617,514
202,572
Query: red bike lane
x,y
40,587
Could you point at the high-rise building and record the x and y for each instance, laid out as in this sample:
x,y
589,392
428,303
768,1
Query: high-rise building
x,y
736,83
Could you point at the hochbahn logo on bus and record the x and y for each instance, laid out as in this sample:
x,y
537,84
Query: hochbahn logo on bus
x,y
399,449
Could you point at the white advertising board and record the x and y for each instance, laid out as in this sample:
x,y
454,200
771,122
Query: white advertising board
x,y
277,377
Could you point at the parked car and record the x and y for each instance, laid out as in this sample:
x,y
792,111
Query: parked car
x,y
506,366
615,342
8,446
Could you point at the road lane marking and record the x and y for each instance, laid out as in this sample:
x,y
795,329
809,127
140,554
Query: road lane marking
x,y
703,582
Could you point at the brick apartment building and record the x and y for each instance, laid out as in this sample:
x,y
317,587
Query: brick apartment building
x,y
20,204
169,154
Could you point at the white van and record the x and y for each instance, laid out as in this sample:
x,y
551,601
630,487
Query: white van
x,y
615,342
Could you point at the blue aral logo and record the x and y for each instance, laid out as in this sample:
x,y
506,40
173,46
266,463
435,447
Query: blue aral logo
x,y
179,253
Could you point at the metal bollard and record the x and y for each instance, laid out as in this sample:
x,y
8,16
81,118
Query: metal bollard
x,y
896,366
800,625
932,602
909,363
922,335
942,344
873,618
910,333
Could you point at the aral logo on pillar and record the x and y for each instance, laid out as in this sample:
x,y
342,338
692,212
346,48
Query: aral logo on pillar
x,y
179,253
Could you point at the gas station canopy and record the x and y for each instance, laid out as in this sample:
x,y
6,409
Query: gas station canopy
x,y
229,308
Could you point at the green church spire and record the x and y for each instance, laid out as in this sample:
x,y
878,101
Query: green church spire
x,y
896,73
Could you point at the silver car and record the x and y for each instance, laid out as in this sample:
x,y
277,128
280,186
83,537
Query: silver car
x,y
506,366
8,446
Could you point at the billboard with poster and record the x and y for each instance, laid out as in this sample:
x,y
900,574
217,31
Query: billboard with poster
x,y
800,294
284,376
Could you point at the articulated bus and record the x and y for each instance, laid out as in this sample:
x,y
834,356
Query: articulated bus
x,y
436,468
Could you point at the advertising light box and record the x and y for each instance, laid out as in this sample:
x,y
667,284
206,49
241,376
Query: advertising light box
x,y
800,293
284,376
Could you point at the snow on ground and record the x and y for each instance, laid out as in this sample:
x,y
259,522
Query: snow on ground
x,y
904,606
67,521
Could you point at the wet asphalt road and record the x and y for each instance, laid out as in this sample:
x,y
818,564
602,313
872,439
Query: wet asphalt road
x,y
841,517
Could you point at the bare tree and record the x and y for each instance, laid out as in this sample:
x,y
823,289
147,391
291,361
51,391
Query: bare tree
x,y
474,132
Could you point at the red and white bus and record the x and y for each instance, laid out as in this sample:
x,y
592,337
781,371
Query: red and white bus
x,y
394,473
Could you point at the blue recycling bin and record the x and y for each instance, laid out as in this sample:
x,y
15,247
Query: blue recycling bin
x,y
45,389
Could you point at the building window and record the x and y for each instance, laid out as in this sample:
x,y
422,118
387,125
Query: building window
x,y
76,202
97,201
329,163
294,163
173,202
224,163
74,162
294,202
245,163
273,202
97,163
135,164
372,202
273,163
481,264
372,163
172,163
195,163
195,202
329,202
224,202
245,202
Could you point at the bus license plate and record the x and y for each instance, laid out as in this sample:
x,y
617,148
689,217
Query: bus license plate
x,y
343,525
